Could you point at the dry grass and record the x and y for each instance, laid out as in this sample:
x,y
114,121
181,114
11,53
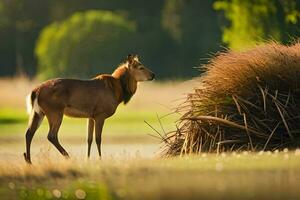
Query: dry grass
x,y
14,91
245,101
160,95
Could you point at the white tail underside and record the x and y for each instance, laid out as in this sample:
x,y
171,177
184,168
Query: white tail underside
x,y
36,108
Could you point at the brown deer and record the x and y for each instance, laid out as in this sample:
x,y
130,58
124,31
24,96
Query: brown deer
x,y
95,99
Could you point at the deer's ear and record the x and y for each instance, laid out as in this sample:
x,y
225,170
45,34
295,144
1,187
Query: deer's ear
x,y
131,58
136,57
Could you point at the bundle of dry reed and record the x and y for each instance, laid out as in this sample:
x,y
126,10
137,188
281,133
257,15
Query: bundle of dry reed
x,y
245,101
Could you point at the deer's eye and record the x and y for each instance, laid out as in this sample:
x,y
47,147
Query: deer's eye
x,y
141,68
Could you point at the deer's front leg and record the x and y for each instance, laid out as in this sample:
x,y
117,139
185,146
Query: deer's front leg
x,y
90,128
98,132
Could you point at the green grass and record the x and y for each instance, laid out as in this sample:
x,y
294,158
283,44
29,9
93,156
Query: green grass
x,y
227,176
125,124
12,116
262,175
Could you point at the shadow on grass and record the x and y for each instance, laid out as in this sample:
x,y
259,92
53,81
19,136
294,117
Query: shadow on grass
x,y
12,116
12,120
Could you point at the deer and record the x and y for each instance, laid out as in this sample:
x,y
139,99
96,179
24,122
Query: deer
x,y
95,99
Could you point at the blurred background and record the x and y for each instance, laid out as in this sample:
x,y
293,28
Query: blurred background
x,y
81,38
42,39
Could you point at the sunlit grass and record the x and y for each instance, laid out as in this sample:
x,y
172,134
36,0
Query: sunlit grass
x,y
12,116
125,123
262,175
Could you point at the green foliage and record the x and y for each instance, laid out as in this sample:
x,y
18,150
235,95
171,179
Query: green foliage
x,y
164,30
83,45
292,13
253,22
248,22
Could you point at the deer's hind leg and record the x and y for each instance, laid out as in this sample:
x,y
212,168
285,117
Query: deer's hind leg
x,y
91,125
34,123
54,125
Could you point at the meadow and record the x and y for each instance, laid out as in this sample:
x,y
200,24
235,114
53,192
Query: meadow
x,y
131,167
227,176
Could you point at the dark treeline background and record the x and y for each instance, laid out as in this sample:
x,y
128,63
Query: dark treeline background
x,y
171,36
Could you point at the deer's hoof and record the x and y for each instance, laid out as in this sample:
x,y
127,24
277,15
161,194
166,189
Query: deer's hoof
x,y
28,161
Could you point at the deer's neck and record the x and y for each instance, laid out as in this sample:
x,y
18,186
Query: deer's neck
x,y
127,83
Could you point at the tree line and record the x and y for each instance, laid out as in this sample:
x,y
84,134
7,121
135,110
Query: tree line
x,y
77,38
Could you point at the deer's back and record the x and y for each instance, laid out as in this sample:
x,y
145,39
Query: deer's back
x,y
76,98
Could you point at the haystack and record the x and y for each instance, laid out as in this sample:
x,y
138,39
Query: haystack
x,y
245,101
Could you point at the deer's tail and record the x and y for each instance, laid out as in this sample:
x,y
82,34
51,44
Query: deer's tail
x,y
32,103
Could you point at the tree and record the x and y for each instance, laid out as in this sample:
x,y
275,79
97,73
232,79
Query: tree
x,y
83,45
253,22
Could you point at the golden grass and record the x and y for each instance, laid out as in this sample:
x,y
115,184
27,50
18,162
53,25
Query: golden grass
x,y
227,176
245,101
14,91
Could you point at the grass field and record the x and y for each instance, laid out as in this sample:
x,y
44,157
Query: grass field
x,y
131,167
124,126
226,176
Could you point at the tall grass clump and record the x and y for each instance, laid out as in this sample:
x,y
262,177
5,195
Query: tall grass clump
x,y
245,101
